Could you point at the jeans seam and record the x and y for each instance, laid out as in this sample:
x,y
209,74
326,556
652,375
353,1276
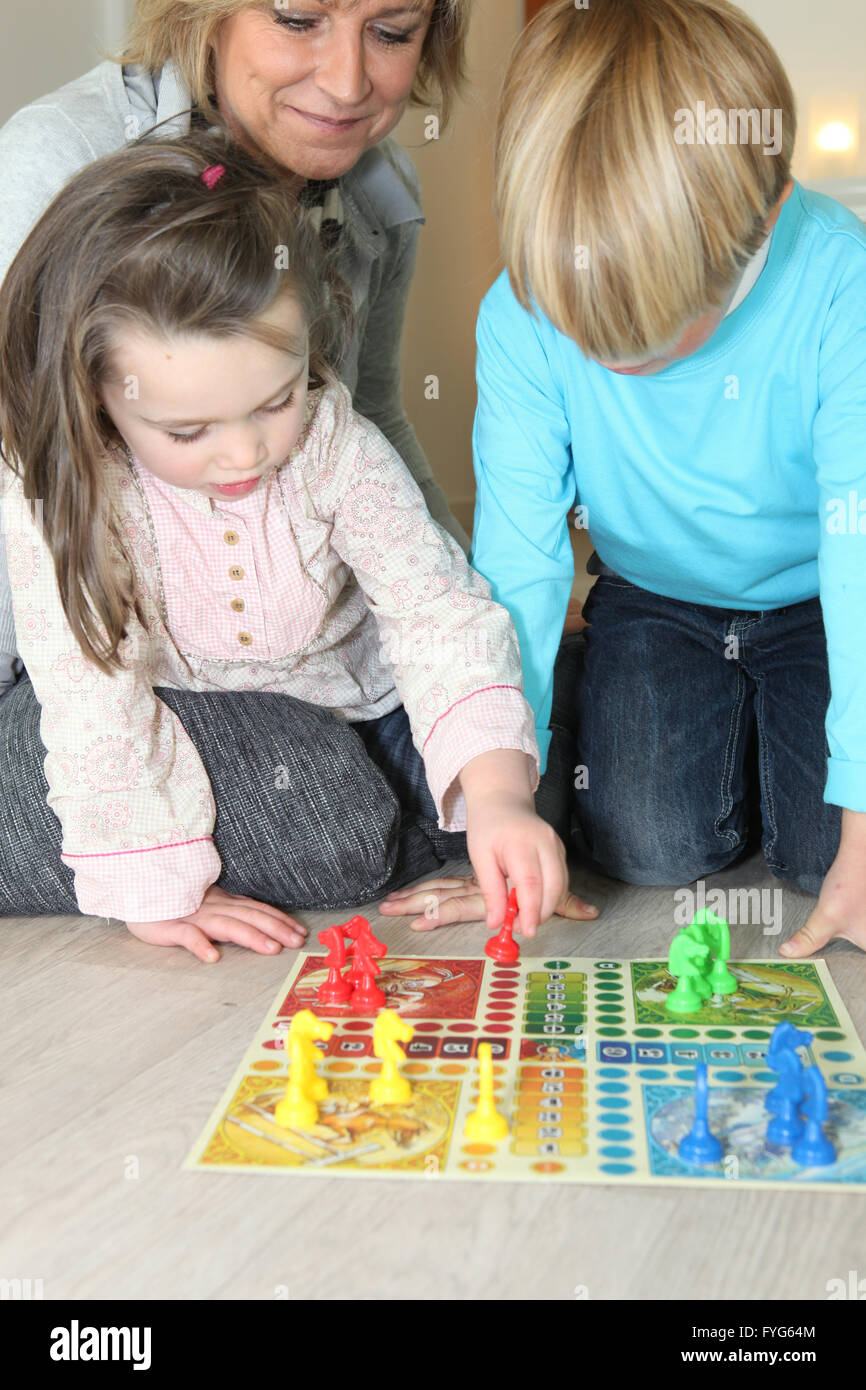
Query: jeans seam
x,y
734,728
769,801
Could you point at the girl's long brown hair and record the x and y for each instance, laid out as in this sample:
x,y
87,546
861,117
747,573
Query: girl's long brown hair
x,y
138,240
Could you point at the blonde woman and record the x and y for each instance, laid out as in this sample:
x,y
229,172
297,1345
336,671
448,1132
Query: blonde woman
x,y
312,90
678,348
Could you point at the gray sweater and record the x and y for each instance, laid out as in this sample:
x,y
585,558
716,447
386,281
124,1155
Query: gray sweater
x,y
45,143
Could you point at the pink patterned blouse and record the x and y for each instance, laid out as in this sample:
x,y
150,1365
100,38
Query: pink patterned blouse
x,y
329,583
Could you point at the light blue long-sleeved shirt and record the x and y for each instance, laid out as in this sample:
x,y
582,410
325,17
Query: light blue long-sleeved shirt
x,y
735,478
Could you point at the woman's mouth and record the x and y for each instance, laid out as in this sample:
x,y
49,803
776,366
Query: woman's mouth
x,y
325,122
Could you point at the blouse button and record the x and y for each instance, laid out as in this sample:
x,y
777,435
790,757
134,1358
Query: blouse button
x,y
231,537
235,572
245,639
238,605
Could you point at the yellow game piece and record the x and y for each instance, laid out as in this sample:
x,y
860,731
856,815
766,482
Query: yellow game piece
x,y
389,1087
298,1108
486,1123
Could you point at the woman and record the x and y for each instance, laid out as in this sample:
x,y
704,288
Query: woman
x,y
312,89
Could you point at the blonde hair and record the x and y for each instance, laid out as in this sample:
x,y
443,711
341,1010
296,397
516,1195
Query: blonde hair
x,y
153,248
183,30
622,235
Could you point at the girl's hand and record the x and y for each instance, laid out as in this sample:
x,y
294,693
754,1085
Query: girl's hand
x,y
224,917
841,906
442,902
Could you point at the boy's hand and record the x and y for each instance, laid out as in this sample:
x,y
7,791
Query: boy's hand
x,y
841,907
225,917
442,902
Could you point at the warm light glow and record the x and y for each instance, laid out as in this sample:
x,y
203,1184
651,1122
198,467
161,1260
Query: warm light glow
x,y
836,135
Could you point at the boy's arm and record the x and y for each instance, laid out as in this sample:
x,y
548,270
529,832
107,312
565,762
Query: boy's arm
x,y
526,487
839,445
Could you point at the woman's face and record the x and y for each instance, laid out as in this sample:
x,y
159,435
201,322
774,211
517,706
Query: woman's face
x,y
315,83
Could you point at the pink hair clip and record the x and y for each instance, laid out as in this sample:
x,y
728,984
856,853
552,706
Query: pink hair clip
x,y
212,175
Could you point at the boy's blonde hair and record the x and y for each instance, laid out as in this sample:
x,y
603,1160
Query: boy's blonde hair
x,y
621,234
183,30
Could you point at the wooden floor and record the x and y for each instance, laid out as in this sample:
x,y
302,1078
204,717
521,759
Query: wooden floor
x,y
114,1054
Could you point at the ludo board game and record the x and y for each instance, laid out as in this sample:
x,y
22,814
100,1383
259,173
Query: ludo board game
x,y
595,1076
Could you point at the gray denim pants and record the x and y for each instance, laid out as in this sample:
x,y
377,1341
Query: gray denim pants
x,y
306,815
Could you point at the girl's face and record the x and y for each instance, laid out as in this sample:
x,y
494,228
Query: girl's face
x,y
314,84
211,414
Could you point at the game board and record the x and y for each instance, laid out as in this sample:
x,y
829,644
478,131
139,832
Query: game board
x,y
595,1077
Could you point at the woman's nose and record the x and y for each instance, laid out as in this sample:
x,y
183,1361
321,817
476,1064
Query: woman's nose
x,y
341,71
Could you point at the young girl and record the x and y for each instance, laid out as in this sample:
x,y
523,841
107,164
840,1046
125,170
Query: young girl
x,y
678,346
194,513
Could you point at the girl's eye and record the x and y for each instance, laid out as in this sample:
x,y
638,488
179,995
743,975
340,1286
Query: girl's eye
x,y
298,25
186,438
283,405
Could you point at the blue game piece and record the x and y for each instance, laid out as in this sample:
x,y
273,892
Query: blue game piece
x,y
782,1058
814,1150
786,1125
700,1146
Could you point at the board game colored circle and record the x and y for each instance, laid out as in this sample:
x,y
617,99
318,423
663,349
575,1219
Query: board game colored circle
x,y
720,1033
755,1033
341,1066
617,1168
765,1076
609,994
607,965
357,1025
652,1074
462,1027
548,1167
686,1074
612,1071
684,1033
427,1027
648,1032
612,1087
611,1032
506,977
452,1069
609,975
497,1028
505,994
616,1151
612,1102
499,1017
847,1078
267,1066
615,1118
615,1136
557,965
479,1149
415,1068
838,1056
728,1075
615,1010
829,1035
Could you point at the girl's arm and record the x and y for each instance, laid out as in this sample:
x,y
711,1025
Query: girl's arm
x,y
453,653
124,778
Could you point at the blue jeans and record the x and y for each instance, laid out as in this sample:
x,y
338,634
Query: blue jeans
x,y
701,732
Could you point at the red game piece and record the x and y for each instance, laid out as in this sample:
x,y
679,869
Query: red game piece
x,y
365,949
503,947
361,934
336,989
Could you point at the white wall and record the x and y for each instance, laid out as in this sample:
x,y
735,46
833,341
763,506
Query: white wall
x,y
44,43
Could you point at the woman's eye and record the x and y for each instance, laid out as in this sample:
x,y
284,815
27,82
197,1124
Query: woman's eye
x,y
186,438
299,25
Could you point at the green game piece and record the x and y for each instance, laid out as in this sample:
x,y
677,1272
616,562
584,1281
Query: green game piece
x,y
715,933
686,961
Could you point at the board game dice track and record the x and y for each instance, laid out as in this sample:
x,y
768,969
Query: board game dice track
x,y
596,1078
